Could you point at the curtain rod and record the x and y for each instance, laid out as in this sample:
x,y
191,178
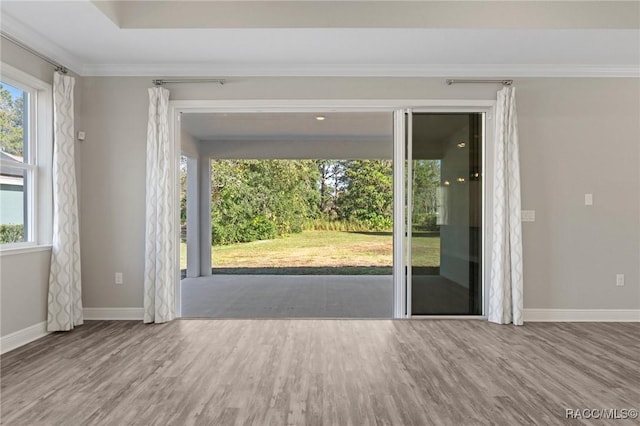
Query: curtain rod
x,y
503,82
58,67
159,82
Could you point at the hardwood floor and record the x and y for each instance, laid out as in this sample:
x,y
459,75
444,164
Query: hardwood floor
x,y
321,372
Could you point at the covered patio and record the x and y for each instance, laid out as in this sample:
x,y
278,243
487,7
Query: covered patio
x,y
288,296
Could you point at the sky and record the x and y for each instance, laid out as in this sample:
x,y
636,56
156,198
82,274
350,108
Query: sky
x,y
15,92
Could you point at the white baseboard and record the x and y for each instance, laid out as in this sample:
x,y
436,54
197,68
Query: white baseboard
x,y
36,331
582,315
113,313
531,315
22,337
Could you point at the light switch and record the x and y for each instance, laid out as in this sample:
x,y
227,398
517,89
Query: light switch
x,y
588,199
528,215
81,136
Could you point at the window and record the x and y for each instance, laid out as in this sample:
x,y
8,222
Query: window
x,y
18,171
25,159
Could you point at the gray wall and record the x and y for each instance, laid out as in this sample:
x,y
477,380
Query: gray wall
x,y
577,136
581,136
113,190
24,277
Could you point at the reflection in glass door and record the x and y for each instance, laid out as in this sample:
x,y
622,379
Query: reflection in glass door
x,y
446,213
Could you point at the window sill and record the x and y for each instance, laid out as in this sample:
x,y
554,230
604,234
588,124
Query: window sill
x,y
23,249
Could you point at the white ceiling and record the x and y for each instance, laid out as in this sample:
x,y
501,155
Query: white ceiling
x,y
430,131
80,36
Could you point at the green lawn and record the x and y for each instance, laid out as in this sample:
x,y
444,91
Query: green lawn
x,y
318,251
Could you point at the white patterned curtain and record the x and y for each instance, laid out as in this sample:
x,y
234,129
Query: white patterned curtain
x,y
505,289
159,264
64,307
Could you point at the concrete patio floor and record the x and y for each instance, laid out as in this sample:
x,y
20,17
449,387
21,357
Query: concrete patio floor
x,y
288,296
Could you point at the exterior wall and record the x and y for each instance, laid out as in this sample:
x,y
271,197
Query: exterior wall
x,y
12,202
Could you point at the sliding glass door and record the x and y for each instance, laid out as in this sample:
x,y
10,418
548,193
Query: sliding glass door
x,y
444,204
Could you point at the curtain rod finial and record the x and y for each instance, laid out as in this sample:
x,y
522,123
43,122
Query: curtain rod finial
x,y
157,83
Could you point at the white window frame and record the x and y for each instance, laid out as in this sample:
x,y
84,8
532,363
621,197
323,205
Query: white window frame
x,y
38,162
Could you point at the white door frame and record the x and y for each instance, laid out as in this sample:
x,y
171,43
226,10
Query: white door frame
x,y
396,106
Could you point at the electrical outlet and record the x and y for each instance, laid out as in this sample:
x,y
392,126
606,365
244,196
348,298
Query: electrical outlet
x,y
620,280
588,199
119,278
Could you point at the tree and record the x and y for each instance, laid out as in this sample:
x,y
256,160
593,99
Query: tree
x,y
261,199
11,123
368,193
331,173
426,183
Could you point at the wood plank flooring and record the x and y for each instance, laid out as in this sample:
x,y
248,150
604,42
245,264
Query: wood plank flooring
x,y
321,372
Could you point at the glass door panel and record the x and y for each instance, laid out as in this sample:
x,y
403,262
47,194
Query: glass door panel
x,y
446,213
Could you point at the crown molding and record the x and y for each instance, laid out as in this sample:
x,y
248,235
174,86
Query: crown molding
x,y
40,43
351,70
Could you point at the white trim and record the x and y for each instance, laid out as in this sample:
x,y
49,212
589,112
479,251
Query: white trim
x,y
27,167
22,248
581,315
38,164
113,314
363,70
175,134
43,139
449,317
407,216
22,337
324,105
399,229
487,176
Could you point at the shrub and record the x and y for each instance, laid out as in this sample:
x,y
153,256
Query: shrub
x,y
11,233
243,231
260,228
380,224
426,222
